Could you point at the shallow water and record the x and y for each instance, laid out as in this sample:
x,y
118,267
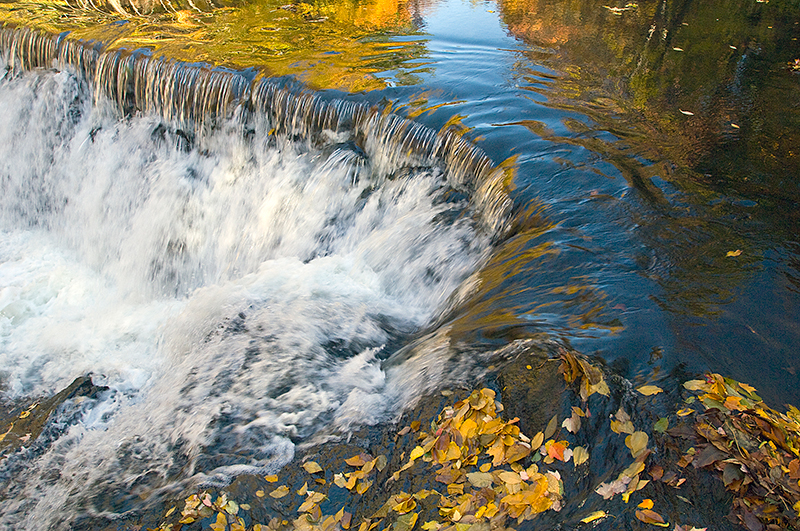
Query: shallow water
x,y
243,289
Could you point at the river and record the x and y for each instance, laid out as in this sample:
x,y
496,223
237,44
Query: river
x,y
261,225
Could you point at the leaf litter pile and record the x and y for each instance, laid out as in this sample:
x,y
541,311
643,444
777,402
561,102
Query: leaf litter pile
x,y
481,473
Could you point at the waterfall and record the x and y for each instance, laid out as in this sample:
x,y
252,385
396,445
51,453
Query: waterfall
x,y
230,258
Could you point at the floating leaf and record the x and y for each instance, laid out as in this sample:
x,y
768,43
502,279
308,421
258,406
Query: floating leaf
x,y
647,503
220,524
312,467
510,478
649,390
737,252
696,385
537,440
480,479
552,426
597,515
649,516
358,460
580,455
406,522
661,425
637,442
272,479
684,412
416,453
573,423
280,492
517,452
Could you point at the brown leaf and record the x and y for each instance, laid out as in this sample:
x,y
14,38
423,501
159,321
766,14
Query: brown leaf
x,y
358,460
649,516
707,456
517,452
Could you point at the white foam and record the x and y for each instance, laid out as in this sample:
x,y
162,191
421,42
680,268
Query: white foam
x,y
235,299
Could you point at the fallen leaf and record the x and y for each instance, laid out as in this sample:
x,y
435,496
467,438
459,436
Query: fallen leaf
x,y
637,443
312,467
649,516
573,423
646,503
649,390
661,425
597,515
272,479
416,453
551,427
580,455
280,492
480,479
737,252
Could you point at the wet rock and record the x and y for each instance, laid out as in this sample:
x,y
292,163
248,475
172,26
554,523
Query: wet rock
x,y
25,420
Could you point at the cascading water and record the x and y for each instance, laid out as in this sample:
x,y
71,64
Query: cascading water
x,y
232,261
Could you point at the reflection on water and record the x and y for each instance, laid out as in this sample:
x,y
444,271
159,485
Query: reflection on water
x,y
694,105
346,45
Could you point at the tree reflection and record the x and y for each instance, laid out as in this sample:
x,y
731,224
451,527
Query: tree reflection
x,y
347,45
703,113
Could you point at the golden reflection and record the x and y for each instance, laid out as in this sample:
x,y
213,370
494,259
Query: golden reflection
x,y
345,45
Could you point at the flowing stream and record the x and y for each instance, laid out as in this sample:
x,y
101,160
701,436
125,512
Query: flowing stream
x,y
247,261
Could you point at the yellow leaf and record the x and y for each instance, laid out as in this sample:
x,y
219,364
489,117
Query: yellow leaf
x,y
511,478
597,515
485,467
580,455
416,453
260,493
220,524
537,440
647,503
748,388
280,492
622,426
272,479
363,485
312,467
24,414
480,479
737,252
303,490
453,451
684,412
637,443
468,429
339,481
697,385
648,390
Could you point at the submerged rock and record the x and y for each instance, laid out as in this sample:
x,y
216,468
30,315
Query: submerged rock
x,y
24,421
